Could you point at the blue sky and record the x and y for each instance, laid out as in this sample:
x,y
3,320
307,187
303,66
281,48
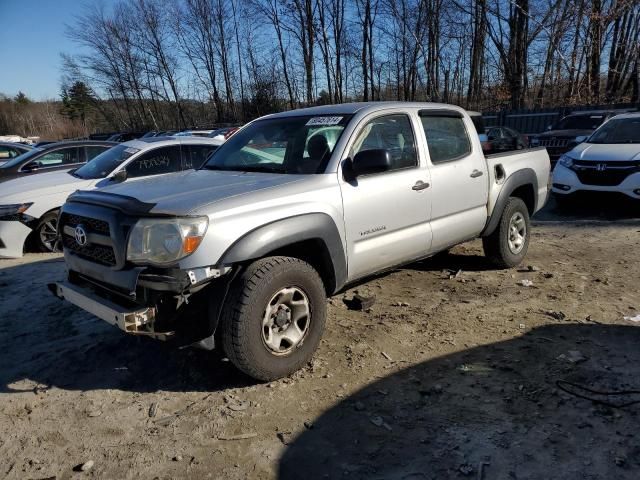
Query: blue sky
x,y
31,39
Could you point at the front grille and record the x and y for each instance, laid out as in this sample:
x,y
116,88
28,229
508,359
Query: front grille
x,y
553,142
102,254
96,253
606,174
92,224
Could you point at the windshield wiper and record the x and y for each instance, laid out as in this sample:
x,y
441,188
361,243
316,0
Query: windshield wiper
x,y
214,167
263,168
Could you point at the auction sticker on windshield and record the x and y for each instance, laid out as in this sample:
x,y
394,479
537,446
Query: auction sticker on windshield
x,y
324,121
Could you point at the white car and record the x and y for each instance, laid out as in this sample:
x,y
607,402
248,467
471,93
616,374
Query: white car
x,y
607,161
29,206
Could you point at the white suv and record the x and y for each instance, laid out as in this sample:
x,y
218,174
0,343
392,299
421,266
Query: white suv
x,y
607,161
29,206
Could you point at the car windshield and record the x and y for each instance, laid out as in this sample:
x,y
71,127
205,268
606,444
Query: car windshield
x,y
620,130
21,158
290,145
105,163
580,122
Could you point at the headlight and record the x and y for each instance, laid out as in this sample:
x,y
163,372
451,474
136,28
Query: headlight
x,y
566,161
163,241
15,209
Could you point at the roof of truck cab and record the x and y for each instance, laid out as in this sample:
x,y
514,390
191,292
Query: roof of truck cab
x,y
357,107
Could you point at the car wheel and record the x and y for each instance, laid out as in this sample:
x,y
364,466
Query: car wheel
x,y
274,317
46,233
507,246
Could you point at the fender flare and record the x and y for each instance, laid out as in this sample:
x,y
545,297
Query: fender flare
x,y
279,234
523,177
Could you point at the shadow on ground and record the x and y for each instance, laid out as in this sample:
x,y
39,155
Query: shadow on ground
x,y
45,342
491,412
591,206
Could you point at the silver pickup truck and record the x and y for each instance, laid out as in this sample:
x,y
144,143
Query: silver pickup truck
x,y
291,209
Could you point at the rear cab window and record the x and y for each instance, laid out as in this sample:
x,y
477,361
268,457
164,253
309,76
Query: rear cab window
x,y
446,134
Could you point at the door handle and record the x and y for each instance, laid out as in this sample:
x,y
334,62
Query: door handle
x,y
476,173
420,185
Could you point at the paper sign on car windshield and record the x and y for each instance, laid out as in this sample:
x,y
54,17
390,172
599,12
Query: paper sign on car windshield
x,y
324,121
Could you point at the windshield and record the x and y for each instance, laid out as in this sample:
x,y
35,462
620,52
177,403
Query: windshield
x,y
105,163
580,122
621,130
21,158
292,145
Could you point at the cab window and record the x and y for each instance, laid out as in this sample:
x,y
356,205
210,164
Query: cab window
x,y
447,137
392,133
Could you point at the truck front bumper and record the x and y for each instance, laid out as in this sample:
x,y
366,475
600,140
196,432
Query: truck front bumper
x,y
137,321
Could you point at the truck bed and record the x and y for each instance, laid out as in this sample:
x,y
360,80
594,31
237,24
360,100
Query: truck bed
x,y
502,165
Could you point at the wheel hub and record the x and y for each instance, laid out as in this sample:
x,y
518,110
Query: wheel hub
x,y
286,320
517,233
283,317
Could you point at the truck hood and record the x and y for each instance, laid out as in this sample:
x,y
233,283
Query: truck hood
x,y
181,193
606,152
32,187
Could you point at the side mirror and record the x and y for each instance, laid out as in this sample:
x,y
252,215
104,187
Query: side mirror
x,y
371,161
581,139
119,177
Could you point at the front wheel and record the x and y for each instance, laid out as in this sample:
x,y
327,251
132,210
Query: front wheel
x,y
274,317
507,246
46,233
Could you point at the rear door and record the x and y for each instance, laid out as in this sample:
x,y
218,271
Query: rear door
x,y
459,177
386,214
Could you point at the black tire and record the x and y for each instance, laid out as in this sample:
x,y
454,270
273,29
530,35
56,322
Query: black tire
x,y
43,239
497,247
251,294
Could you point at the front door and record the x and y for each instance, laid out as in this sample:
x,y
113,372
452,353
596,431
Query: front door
x,y
387,214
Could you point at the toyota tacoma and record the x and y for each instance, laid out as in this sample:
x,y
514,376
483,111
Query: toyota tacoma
x,y
294,207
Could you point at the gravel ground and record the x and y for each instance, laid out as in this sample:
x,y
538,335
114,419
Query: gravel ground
x,y
456,371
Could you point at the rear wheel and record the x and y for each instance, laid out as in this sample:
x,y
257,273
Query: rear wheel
x,y
507,246
274,317
46,233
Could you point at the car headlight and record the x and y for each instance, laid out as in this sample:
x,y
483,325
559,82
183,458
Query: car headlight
x,y
163,241
566,161
14,209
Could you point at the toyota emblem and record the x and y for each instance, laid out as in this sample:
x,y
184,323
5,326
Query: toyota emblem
x,y
81,236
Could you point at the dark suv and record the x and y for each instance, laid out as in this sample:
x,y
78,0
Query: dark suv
x,y
565,134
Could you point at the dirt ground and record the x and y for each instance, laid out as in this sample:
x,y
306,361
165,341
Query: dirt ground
x,y
455,372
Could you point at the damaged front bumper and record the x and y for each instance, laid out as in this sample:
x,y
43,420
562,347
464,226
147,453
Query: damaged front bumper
x,y
178,305
137,321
